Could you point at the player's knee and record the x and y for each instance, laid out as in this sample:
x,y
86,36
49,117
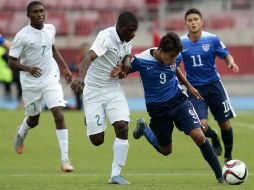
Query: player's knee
x,y
121,129
59,118
97,139
199,139
32,121
225,125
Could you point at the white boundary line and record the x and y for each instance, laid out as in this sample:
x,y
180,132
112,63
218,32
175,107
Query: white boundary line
x,y
97,174
243,124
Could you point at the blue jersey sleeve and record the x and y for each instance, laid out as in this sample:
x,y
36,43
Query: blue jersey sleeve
x,y
2,39
220,49
135,65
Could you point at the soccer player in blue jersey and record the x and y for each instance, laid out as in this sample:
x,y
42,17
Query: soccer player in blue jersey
x,y
165,101
200,49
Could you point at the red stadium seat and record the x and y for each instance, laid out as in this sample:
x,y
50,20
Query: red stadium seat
x,y
86,23
2,3
98,4
51,4
175,24
59,21
107,18
222,21
18,21
5,18
84,4
84,27
68,4
14,5
118,4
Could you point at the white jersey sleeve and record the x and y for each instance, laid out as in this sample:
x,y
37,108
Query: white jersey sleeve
x,y
16,47
100,45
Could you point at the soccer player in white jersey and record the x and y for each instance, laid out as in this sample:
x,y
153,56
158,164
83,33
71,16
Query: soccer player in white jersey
x,y
200,51
39,75
103,96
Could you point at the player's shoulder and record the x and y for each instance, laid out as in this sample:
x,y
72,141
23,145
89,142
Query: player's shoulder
x,y
23,32
145,55
208,34
49,27
209,37
184,37
107,33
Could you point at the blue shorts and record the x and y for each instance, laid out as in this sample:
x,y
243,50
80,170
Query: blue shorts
x,y
164,115
216,98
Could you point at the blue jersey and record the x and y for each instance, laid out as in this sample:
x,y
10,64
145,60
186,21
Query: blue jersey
x,y
2,39
199,58
159,81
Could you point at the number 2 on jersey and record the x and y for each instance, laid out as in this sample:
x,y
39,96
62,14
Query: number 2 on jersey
x,y
98,120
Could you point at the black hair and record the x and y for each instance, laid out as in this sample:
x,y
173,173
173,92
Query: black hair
x,y
170,42
31,4
126,19
193,11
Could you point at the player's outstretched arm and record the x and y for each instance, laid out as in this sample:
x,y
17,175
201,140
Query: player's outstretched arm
x,y
60,61
229,60
184,81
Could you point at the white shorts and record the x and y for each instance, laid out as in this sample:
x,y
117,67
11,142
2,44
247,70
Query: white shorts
x,y
101,104
51,95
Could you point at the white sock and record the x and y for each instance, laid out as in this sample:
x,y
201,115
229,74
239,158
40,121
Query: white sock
x,y
120,149
23,128
62,136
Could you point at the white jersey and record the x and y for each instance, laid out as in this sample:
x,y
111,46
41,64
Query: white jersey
x,y
110,51
34,48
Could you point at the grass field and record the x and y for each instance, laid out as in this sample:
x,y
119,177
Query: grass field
x,y
39,166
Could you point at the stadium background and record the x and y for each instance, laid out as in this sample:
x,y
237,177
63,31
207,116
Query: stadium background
x,y
78,21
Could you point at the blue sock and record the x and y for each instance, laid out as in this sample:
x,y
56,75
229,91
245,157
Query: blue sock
x,y
227,138
211,133
151,138
211,158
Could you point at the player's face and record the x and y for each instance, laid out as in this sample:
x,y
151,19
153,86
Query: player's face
x,y
128,32
194,23
37,16
168,58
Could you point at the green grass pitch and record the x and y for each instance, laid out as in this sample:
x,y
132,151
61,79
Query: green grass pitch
x,y
39,166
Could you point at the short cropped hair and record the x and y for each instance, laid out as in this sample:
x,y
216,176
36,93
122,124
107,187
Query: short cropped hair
x,y
193,11
31,4
171,42
126,18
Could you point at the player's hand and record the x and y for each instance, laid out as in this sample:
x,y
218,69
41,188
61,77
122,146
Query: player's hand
x,y
78,85
68,75
118,71
35,71
194,92
234,67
